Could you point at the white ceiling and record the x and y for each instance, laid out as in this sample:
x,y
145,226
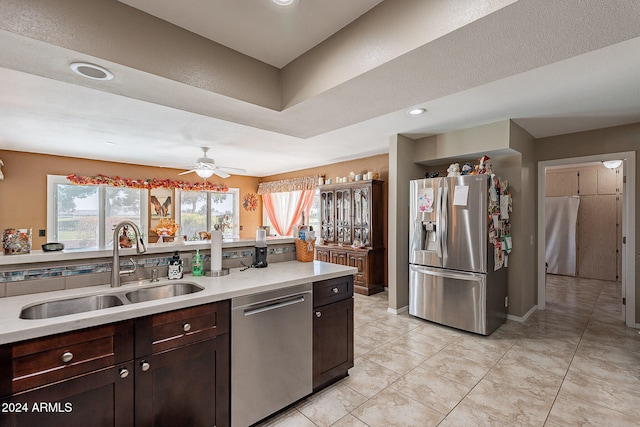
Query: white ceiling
x,y
278,34
553,67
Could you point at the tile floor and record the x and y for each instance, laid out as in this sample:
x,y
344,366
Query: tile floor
x,y
574,363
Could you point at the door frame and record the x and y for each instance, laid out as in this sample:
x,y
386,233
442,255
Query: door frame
x,y
628,226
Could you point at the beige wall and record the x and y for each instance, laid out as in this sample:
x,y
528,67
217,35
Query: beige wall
x,y
23,192
511,151
600,141
402,169
379,163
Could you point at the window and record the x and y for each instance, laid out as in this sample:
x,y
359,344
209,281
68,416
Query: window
x,y
84,216
313,220
201,210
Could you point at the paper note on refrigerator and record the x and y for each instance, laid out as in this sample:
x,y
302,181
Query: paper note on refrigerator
x,y
504,206
498,259
425,200
460,195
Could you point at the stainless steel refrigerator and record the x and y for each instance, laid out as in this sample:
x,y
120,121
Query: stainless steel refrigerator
x,y
453,278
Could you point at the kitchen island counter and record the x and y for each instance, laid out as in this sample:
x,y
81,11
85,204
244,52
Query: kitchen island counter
x,y
239,282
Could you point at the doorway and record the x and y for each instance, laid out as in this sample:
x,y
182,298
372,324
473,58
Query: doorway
x,y
628,227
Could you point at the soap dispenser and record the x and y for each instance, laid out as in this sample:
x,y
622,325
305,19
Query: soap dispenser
x,y
175,267
196,268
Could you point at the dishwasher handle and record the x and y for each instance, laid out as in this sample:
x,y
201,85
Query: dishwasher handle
x,y
275,306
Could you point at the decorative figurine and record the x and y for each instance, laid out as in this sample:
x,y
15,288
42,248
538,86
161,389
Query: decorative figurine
x,y
467,169
454,169
485,165
124,240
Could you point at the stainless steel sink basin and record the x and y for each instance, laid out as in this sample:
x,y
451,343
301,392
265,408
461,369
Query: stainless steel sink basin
x,y
64,307
162,291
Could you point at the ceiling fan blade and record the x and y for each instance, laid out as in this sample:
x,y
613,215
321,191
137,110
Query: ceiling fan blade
x,y
221,174
232,170
186,172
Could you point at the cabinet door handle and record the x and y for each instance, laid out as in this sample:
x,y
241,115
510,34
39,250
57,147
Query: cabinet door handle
x,y
186,327
335,290
318,314
124,373
144,365
67,357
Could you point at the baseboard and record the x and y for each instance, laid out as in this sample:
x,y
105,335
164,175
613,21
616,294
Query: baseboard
x,y
398,311
523,318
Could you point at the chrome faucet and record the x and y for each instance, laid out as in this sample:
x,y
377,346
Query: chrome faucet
x,y
140,248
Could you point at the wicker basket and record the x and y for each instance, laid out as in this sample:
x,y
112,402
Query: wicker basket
x,y
305,250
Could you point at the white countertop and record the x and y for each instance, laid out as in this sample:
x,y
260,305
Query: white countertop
x,y
152,248
237,283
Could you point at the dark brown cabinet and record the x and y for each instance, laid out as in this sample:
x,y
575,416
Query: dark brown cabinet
x,y
351,215
332,330
182,367
69,378
165,369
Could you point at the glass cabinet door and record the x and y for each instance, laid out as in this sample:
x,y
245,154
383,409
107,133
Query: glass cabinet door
x,y
362,215
343,216
327,216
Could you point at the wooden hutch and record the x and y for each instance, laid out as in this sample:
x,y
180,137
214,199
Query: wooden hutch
x,y
353,212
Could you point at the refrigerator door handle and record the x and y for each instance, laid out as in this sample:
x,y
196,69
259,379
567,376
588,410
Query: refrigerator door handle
x,y
438,230
448,274
444,214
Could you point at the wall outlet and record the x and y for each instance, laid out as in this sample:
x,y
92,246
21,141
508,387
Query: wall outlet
x,y
187,259
42,233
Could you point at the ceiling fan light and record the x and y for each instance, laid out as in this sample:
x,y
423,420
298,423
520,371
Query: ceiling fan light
x,y
204,173
612,164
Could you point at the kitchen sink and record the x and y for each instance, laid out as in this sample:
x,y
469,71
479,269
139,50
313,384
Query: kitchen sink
x,y
63,307
162,291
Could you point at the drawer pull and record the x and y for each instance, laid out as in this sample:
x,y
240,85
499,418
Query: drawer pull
x,y
318,314
335,290
144,365
67,357
186,327
124,373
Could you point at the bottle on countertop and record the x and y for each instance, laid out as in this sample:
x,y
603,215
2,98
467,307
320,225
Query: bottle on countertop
x,y
175,267
196,268
302,229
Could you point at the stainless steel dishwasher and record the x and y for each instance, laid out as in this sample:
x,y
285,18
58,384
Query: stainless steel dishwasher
x,y
271,352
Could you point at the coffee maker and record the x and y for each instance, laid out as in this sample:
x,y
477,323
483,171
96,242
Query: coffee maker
x,y
261,248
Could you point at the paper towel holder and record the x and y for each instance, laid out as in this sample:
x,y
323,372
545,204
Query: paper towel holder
x,y
217,273
222,271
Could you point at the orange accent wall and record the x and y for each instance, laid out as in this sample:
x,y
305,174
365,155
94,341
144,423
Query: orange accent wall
x,y
23,192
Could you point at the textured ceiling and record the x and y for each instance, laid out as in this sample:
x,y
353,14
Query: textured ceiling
x,y
554,67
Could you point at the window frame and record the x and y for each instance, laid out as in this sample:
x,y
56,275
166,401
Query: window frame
x,y
236,207
52,202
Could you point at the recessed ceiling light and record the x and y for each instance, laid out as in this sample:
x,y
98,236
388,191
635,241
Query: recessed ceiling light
x,y
91,71
417,111
283,2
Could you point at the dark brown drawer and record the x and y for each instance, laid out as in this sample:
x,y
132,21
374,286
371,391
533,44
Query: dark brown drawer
x,y
173,329
332,290
45,360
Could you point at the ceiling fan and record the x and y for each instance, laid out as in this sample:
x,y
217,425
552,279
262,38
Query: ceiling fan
x,y
205,167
